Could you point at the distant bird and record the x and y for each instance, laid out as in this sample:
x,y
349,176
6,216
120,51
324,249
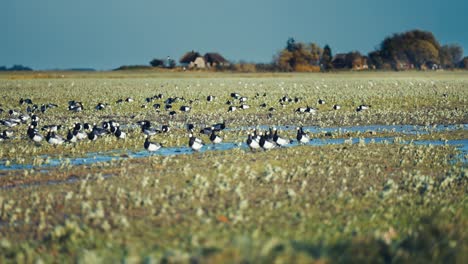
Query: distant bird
x,y
210,98
336,107
54,139
165,128
266,143
190,127
100,106
232,108
279,140
118,133
206,131
253,143
321,101
244,106
34,135
71,137
215,139
151,146
219,126
11,122
195,143
185,108
362,108
301,136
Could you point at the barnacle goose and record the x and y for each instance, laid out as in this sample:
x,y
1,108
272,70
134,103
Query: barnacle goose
x,y
253,143
302,137
53,138
362,107
71,137
34,135
151,146
215,139
279,140
266,143
195,143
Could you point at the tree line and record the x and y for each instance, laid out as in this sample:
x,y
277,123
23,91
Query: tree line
x,y
415,49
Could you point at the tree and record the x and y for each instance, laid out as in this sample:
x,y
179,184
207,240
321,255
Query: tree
x,y
412,47
316,53
291,45
327,58
450,55
376,60
353,60
157,63
464,63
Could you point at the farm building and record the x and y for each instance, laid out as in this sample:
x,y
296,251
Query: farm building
x,y
193,59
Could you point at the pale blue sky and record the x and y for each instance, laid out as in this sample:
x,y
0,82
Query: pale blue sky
x,y
104,34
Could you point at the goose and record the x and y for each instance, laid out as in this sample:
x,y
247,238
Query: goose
x,y
33,134
235,95
336,107
266,143
362,107
185,108
243,99
253,143
195,143
100,106
53,128
210,98
244,106
190,127
232,108
75,106
279,140
54,139
35,118
165,128
71,137
25,101
215,139
10,122
92,135
151,146
119,133
80,135
7,134
302,137
321,101
148,130
206,131
24,118
99,131
129,99
219,126
12,112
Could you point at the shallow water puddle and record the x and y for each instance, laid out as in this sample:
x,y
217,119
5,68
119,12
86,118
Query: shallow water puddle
x,y
92,158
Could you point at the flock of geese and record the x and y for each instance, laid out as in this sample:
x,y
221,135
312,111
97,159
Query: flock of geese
x,y
256,140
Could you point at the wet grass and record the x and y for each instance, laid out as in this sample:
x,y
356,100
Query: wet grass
x,y
335,203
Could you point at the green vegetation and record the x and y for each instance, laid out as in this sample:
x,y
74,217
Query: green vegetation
x,y
337,203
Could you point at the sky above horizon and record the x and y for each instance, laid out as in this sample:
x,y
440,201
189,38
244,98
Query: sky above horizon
x,y
105,34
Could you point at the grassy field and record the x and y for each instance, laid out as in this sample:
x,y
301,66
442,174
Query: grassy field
x,y
366,202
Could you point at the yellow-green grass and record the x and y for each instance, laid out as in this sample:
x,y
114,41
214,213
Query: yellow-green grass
x,y
365,202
